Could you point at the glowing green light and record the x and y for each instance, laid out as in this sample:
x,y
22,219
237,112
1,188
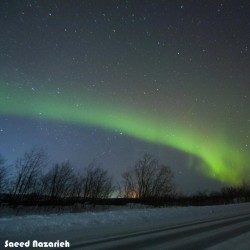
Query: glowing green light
x,y
221,160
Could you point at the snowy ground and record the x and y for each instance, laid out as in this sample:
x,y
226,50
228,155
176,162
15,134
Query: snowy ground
x,y
241,242
119,220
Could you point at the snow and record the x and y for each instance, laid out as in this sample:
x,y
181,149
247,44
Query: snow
x,y
241,242
116,219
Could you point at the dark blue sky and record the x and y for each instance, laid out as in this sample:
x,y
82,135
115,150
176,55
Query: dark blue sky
x,y
184,62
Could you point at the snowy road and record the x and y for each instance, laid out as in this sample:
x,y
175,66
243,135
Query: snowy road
x,y
213,227
200,235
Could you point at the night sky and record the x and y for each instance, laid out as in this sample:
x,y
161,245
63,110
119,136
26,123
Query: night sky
x,y
111,80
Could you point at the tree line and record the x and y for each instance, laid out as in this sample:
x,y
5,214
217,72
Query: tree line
x,y
28,178
33,180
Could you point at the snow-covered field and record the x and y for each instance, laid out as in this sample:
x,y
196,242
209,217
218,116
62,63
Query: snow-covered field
x,y
116,220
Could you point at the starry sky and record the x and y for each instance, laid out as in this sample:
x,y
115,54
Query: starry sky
x,y
111,80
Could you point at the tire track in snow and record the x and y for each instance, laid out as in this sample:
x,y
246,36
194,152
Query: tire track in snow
x,y
197,235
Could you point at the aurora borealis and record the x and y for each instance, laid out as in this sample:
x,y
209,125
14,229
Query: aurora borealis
x,y
168,76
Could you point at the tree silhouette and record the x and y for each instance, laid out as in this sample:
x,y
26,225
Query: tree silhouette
x,y
96,182
29,169
58,181
148,179
3,175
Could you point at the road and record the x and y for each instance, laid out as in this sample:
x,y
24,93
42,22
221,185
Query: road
x,y
198,235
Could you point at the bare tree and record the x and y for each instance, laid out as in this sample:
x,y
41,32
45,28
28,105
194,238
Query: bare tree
x,y
3,175
57,183
148,179
97,183
29,168
76,186
130,187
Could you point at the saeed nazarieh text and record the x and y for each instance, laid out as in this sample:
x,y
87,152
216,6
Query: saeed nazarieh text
x,y
36,243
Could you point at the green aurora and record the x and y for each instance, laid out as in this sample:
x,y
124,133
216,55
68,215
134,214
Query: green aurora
x,y
219,158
